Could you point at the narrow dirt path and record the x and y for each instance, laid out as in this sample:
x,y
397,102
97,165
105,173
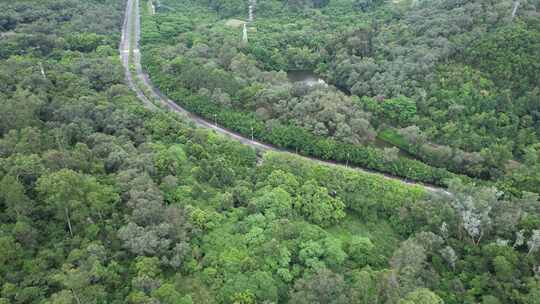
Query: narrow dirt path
x,y
131,26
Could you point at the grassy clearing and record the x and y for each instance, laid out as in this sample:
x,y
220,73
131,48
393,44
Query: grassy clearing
x,y
391,136
235,23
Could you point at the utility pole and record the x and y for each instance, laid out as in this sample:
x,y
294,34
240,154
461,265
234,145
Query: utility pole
x,y
514,10
251,7
152,7
244,34
42,70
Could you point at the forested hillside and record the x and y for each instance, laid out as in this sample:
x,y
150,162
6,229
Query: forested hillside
x,y
104,201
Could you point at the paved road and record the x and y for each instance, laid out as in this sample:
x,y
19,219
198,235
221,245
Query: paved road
x,y
132,17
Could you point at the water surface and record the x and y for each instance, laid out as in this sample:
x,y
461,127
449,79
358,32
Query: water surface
x,y
306,77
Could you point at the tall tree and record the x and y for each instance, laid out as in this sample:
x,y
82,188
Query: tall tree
x,y
73,197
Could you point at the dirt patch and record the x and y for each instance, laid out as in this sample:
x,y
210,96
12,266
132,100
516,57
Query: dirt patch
x,y
235,23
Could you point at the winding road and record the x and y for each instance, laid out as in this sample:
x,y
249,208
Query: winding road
x,y
131,26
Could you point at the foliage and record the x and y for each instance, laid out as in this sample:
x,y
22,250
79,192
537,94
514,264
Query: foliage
x,y
223,84
102,201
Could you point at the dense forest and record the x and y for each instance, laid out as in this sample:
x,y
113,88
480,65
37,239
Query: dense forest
x,y
451,83
104,201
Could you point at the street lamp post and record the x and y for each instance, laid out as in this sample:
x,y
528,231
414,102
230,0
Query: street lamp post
x,y
251,133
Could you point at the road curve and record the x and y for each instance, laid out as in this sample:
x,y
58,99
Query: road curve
x,y
132,23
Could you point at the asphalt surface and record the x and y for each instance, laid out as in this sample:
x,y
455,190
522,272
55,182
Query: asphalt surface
x,y
132,23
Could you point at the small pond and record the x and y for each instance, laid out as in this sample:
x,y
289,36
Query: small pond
x,y
306,77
